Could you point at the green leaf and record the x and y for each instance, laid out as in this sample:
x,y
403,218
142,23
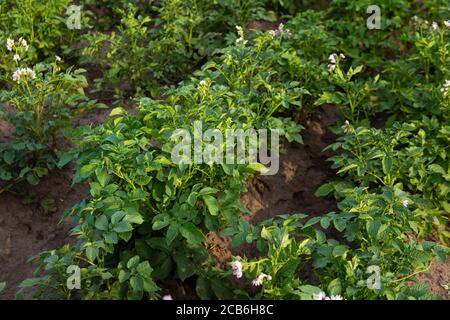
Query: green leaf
x,y
123,276
191,233
91,253
32,178
172,233
111,238
9,156
184,268
324,190
102,223
160,221
203,288
133,262
150,286
66,158
137,283
144,269
334,288
117,111
123,226
212,204
349,167
339,250
325,222
2,286
207,190
102,176
87,170
437,169
372,228
387,164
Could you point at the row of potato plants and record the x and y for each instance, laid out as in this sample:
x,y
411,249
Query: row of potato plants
x,y
249,84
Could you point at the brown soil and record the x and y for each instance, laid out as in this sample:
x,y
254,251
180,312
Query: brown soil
x,y
438,277
26,230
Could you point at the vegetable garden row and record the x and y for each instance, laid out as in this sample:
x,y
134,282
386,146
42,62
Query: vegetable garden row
x,y
231,64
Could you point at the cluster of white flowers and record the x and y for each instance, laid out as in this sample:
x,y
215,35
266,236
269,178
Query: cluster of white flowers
x,y
236,266
347,127
23,73
332,59
446,88
240,33
405,203
322,296
281,31
434,25
259,281
10,44
167,297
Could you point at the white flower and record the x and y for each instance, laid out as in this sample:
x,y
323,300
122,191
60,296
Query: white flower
x,y
446,88
203,83
167,297
447,23
259,281
281,31
240,33
16,57
319,296
23,73
405,203
332,58
9,44
415,18
24,43
58,58
236,266
347,127
434,26
322,296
